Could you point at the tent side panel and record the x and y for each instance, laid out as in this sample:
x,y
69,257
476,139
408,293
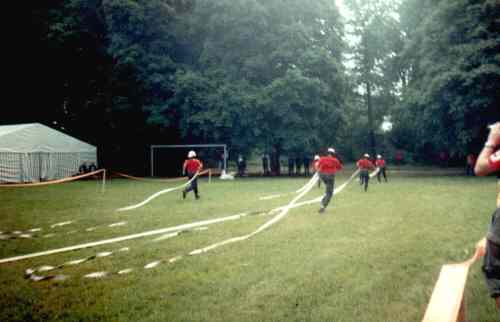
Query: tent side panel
x,y
10,167
35,167
62,165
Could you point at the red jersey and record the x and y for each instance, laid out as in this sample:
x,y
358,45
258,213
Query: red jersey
x,y
328,165
193,165
365,164
380,163
494,161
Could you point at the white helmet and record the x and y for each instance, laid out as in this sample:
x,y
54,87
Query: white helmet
x,y
331,150
379,156
316,157
366,155
191,154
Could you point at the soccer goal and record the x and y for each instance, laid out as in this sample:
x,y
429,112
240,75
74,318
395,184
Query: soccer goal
x,y
167,160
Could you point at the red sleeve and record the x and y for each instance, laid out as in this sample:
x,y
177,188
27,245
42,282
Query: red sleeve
x,y
339,165
358,164
494,161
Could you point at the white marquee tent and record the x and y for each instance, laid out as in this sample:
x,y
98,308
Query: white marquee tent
x,y
35,152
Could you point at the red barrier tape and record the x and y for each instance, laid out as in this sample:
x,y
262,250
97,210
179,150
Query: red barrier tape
x,y
37,184
155,180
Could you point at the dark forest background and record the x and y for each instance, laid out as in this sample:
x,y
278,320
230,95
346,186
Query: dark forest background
x,y
284,77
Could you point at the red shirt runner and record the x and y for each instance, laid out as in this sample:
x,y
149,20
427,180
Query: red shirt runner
x,y
380,163
365,164
328,165
193,165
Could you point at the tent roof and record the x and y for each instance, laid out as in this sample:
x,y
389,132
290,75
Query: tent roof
x,y
36,137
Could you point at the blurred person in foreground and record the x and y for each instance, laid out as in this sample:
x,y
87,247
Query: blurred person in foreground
x,y
489,162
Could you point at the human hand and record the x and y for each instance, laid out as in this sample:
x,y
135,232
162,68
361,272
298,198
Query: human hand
x,y
481,247
494,137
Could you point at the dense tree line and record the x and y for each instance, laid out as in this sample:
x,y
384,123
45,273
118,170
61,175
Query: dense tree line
x,y
450,76
264,75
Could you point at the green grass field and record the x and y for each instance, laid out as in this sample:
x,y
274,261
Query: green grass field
x,y
373,256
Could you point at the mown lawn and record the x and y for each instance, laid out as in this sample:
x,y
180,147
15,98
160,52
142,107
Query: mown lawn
x,y
373,256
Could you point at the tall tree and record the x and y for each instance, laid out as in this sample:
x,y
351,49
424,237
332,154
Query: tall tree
x,y
454,72
257,67
372,29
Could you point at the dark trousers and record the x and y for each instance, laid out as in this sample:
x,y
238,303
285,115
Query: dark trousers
x,y
193,186
381,172
491,265
365,178
329,180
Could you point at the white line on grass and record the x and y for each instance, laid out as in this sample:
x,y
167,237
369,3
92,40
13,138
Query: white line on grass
x,y
45,268
124,238
306,188
274,220
283,212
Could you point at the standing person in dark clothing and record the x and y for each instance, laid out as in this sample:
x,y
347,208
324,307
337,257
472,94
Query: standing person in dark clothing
x,y
275,163
298,165
399,157
365,165
471,163
92,167
380,163
191,167
291,166
83,168
489,162
327,167
307,162
220,161
242,164
265,164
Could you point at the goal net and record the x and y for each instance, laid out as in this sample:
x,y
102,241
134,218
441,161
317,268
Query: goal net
x,y
167,160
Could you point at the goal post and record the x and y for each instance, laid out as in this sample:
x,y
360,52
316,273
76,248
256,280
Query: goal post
x,y
184,147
